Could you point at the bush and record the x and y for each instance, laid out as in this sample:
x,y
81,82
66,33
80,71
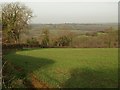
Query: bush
x,y
45,38
32,41
62,41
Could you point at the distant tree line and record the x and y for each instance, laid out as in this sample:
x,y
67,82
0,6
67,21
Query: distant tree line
x,y
106,39
100,39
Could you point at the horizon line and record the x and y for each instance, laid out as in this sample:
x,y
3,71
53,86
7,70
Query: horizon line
x,y
79,23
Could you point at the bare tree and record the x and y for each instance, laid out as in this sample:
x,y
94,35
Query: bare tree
x,y
45,40
15,18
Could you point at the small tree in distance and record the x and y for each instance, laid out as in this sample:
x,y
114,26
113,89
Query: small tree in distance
x,y
45,36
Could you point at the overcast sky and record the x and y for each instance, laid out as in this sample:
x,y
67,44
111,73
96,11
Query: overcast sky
x,y
74,12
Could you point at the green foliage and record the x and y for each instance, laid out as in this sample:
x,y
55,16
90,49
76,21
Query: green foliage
x,y
10,78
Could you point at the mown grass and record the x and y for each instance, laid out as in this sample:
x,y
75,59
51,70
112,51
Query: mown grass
x,y
70,67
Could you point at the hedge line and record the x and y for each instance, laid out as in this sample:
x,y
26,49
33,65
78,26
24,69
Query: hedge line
x,y
19,46
22,46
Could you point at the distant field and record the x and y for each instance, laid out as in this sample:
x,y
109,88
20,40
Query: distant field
x,y
68,67
38,33
36,29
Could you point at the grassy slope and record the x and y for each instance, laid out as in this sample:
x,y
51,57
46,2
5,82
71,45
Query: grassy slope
x,y
70,67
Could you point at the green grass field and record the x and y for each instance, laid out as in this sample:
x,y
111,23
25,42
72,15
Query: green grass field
x,y
69,67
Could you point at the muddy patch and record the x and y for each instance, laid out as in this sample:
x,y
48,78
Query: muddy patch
x,y
37,83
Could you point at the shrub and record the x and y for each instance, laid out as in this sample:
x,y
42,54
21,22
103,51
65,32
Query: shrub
x,y
32,41
45,38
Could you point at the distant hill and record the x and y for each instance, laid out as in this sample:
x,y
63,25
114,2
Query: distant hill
x,y
73,26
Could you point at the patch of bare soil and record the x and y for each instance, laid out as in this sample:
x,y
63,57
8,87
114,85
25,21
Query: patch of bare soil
x,y
36,83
